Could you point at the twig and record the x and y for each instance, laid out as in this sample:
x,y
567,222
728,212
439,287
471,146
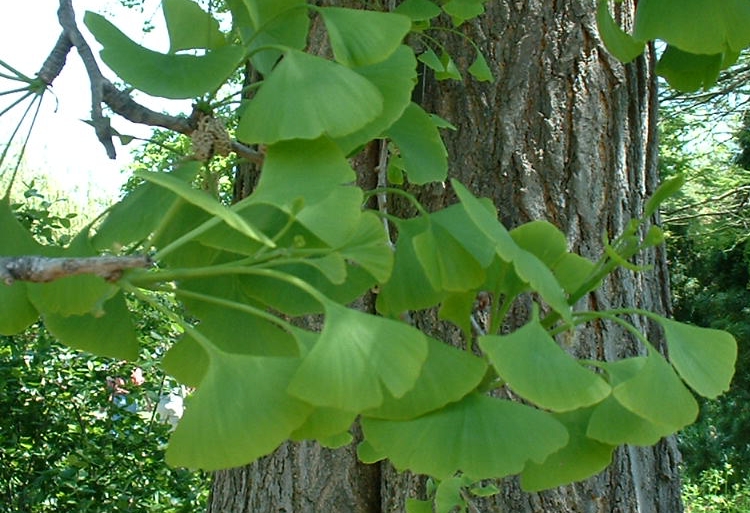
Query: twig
x,y
39,269
66,16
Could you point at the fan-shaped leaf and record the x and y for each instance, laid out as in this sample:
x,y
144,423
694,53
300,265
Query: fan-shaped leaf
x,y
240,412
355,356
479,436
448,375
190,27
361,38
703,357
424,155
337,101
619,43
158,74
538,369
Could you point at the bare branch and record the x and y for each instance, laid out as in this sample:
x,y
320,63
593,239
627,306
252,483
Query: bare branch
x,y
55,61
39,269
66,16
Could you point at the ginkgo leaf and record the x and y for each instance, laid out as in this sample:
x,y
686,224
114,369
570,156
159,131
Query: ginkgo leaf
x,y
480,70
369,247
695,26
539,370
619,43
527,266
687,71
612,423
158,74
463,10
703,357
266,26
448,375
355,356
542,239
109,334
207,203
424,155
673,407
360,38
480,436
240,412
337,101
447,264
324,423
418,10
582,457
395,78
190,27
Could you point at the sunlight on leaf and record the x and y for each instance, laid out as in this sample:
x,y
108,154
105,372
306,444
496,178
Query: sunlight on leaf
x,y
190,27
166,75
480,436
582,457
361,38
240,412
355,356
336,101
703,357
539,370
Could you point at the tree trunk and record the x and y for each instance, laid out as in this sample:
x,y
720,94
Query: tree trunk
x,y
565,133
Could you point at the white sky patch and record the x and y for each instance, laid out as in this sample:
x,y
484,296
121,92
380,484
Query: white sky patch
x,y
63,146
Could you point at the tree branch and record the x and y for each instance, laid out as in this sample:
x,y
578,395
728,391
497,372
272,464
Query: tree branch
x,y
103,92
39,269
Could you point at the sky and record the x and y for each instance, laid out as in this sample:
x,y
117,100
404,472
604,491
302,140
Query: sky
x,y
61,144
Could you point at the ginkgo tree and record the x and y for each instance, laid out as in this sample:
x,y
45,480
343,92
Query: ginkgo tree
x,y
305,242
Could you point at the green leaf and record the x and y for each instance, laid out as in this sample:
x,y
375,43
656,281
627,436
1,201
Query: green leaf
x,y
128,221
394,78
205,202
528,267
337,101
695,26
17,311
240,412
324,423
111,334
422,150
430,59
480,436
572,271
619,43
418,10
689,72
480,70
539,370
463,10
703,357
448,375
279,22
186,361
455,219
447,264
158,74
73,295
658,395
369,247
612,423
448,494
581,458
361,38
542,239
449,69
409,286
355,356
190,27
417,506
458,308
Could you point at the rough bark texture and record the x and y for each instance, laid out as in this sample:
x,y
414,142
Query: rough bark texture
x,y
566,134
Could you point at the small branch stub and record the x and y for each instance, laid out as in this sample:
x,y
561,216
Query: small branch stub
x,y
39,269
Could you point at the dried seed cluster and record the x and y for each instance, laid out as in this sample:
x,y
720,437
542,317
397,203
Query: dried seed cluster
x,y
210,138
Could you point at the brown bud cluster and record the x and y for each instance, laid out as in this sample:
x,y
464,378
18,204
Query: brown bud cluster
x,y
210,138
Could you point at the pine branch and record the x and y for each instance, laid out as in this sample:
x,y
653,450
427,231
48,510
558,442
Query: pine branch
x,y
39,269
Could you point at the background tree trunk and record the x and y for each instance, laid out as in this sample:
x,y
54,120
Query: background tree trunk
x,y
565,133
